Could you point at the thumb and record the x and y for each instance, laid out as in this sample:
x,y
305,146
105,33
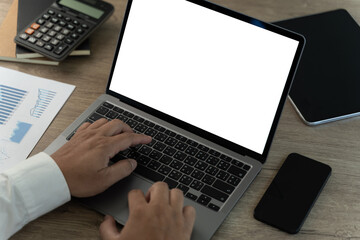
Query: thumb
x,y
108,229
119,170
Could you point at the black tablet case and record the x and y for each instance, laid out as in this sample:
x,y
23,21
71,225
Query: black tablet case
x,y
327,83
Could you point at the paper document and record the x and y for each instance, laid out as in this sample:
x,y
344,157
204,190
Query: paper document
x,y
28,104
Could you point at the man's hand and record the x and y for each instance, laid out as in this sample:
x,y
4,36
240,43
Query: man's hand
x,y
158,215
84,159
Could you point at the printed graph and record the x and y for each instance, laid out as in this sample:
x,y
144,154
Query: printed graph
x,y
10,98
20,131
43,101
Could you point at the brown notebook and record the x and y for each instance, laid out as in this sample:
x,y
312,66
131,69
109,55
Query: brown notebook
x,y
8,29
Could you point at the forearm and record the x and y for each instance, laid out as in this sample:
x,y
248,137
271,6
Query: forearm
x,y
29,190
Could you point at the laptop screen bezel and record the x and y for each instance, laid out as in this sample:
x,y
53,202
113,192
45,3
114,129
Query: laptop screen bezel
x,y
195,130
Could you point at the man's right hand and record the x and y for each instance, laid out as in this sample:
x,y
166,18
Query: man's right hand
x,y
158,215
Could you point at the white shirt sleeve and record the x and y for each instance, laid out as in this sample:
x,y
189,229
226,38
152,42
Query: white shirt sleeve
x,y
29,190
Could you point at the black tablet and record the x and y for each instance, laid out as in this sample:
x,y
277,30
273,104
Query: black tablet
x,y
327,83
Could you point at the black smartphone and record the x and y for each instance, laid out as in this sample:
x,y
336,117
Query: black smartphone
x,y
291,195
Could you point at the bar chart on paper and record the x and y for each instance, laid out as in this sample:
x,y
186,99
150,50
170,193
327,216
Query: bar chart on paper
x,y
43,101
10,99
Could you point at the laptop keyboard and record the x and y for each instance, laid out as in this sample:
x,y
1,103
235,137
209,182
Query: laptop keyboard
x,y
203,174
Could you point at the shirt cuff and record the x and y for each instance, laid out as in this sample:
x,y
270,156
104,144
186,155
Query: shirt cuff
x,y
41,184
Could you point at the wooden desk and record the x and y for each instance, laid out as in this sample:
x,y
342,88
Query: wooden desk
x,y
336,215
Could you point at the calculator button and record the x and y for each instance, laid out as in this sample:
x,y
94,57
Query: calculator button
x,y
46,16
75,36
48,47
54,20
49,25
57,28
65,31
35,26
62,23
54,42
51,12
44,30
60,37
59,15
38,35
32,40
69,41
40,43
84,26
52,33
80,31
60,49
40,21
70,27
46,38
29,31
68,19
24,36
76,22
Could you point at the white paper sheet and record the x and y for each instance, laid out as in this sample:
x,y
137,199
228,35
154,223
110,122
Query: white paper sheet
x,y
28,104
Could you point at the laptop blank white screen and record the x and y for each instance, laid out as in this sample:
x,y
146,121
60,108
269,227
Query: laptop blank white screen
x,y
215,72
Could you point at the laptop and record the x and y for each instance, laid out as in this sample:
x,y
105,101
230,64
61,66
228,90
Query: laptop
x,y
208,84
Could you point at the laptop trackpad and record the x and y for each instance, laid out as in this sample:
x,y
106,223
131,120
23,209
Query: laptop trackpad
x,y
114,201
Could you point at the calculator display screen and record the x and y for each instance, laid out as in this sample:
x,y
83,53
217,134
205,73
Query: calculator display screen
x,y
83,8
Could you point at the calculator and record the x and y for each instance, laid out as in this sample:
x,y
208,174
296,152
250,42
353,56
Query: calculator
x,y
57,31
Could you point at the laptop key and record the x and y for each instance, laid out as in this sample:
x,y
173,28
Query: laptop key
x,y
237,171
145,150
102,110
166,159
150,132
171,183
155,155
226,188
197,185
159,146
214,207
214,193
169,151
180,156
143,160
175,175
161,137
164,170
204,200
94,117
108,105
148,173
208,179
186,180
197,174
112,114
234,180
183,188
191,196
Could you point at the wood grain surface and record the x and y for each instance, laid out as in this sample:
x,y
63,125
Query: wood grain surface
x,y
336,214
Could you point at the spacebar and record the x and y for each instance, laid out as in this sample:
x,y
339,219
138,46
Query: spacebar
x,y
148,173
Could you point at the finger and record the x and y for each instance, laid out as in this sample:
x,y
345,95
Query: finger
x,y
158,193
114,127
118,171
83,126
98,123
189,218
108,229
177,199
136,198
125,140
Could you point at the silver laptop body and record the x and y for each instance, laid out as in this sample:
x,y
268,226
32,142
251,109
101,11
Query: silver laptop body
x,y
208,74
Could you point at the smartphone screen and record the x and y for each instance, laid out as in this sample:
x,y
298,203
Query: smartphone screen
x,y
292,193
